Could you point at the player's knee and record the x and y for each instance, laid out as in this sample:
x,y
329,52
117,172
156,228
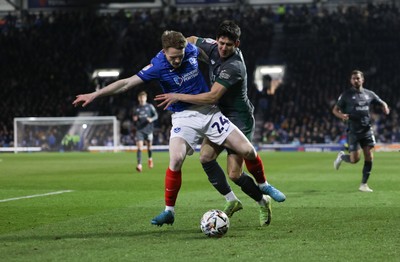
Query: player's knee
x,y
176,162
234,176
205,158
250,154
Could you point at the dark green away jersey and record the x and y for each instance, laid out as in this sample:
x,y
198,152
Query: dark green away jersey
x,y
232,74
144,112
357,104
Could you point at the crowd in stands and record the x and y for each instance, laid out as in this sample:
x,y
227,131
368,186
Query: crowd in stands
x,y
48,58
320,49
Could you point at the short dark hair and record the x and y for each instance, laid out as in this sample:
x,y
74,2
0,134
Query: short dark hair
x,y
229,29
142,93
356,72
173,39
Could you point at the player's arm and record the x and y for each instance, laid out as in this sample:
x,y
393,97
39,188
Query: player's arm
x,y
211,97
385,108
135,116
339,114
153,113
192,39
114,88
203,57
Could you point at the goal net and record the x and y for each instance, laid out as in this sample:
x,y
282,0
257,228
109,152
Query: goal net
x,y
66,133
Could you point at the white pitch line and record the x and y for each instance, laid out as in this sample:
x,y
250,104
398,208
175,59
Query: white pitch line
x,y
39,195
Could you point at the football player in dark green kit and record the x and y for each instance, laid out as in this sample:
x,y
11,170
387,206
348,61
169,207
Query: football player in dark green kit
x,y
353,107
144,115
228,77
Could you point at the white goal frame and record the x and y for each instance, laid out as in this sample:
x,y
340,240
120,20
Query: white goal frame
x,y
77,125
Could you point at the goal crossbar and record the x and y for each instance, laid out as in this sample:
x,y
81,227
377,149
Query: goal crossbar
x,y
84,128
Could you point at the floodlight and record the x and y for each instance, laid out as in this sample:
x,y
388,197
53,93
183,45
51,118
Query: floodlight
x,y
107,72
274,73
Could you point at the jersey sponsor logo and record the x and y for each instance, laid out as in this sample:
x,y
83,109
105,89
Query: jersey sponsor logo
x,y
186,77
177,129
362,108
224,75
178,80
147,67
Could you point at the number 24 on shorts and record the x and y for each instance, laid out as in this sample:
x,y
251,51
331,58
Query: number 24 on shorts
x,y
220,125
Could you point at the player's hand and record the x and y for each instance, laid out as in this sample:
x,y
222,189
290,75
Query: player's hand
x,y
167,99
83,100
386,110
345,117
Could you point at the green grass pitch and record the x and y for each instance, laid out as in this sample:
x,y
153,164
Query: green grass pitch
x,y
106,216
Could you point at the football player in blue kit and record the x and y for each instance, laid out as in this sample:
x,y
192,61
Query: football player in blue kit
x,y
228,76
177,70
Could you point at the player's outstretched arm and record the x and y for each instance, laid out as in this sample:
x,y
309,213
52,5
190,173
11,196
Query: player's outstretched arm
x,y
211,97
116,87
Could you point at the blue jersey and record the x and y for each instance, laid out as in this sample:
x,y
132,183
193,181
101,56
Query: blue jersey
x,y
187,79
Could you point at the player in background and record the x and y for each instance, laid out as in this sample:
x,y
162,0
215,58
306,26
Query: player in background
x,y
144,116
353,106
228,76
177,70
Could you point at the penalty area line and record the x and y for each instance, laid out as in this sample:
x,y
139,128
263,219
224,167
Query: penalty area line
x,y
38,195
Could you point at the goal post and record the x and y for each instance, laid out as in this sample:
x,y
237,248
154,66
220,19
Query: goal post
x,y
65,133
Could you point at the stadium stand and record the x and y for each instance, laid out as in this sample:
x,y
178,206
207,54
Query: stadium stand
x,y
48,58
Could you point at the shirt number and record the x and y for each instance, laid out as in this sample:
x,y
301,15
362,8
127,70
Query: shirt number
x,y
220,125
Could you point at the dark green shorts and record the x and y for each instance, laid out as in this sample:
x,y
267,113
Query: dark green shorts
x,y
359,141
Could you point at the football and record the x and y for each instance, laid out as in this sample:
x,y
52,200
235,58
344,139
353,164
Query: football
x,y
214,223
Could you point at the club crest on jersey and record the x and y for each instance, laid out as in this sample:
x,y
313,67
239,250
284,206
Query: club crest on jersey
x,y
177,129
193,61
224,75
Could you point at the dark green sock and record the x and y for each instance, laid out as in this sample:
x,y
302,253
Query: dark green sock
x,y
249,187
366,171
217,177
346,158
139,156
